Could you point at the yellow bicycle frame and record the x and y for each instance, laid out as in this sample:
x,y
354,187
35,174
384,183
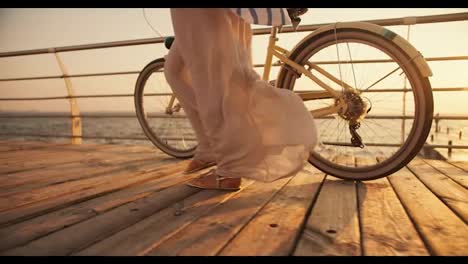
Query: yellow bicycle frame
x,y
282,55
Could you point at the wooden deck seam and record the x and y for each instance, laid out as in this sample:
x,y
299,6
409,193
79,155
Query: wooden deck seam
x,y
98,175
83,244
429,249
252,217
359,217
442,172
96,213
20,145
115,168
20,170
56,208
302,228
45,234
104,149
71,203
103,174
159,242
121,228
19,148
438,197
456,165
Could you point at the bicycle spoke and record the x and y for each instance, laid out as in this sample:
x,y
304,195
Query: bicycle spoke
x,y
323,130
352,65
385,128
381,79
372,130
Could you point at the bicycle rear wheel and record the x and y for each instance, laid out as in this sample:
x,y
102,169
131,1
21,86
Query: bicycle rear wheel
x,y
163,122
400,116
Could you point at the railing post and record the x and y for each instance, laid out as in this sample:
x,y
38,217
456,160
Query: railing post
x,y
74,110
449,148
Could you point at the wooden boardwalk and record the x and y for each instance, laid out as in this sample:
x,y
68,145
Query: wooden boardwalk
x,y
61,199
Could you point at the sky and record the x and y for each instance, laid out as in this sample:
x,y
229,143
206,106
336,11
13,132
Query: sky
x,y
24,29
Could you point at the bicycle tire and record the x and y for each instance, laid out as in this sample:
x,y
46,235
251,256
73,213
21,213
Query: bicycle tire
x,y
156,65
422,93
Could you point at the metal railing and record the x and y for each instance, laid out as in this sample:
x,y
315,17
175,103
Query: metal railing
x,y
76,116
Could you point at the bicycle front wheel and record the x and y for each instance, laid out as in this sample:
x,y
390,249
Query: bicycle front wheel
x,y
162,118
387,80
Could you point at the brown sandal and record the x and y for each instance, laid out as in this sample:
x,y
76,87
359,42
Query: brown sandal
x,y
197,165
212,181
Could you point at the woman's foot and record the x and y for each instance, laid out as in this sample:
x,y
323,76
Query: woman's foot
x,y
198,165
211,180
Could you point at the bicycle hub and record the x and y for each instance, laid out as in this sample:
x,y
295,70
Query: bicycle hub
x,y
355,108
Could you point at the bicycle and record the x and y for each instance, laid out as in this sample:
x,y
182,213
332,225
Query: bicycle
x,y
352,102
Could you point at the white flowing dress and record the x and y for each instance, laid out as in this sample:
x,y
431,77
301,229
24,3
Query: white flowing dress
x,y
250,128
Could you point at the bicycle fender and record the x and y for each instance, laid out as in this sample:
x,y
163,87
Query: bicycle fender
x,y
409,49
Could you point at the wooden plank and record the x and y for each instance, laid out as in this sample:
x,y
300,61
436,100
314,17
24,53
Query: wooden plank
x,y
453,194
386,229
83,234
15,142
208,234
6,146
29,154
274,230
35,159
444,232
55,177
52,147
87,183
160,226
42,158
16,157
86,168
81,147
460,164
27,160
91,158
451,171
115,148
77,191
33,143
333,226
40,226
35,195
13,179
